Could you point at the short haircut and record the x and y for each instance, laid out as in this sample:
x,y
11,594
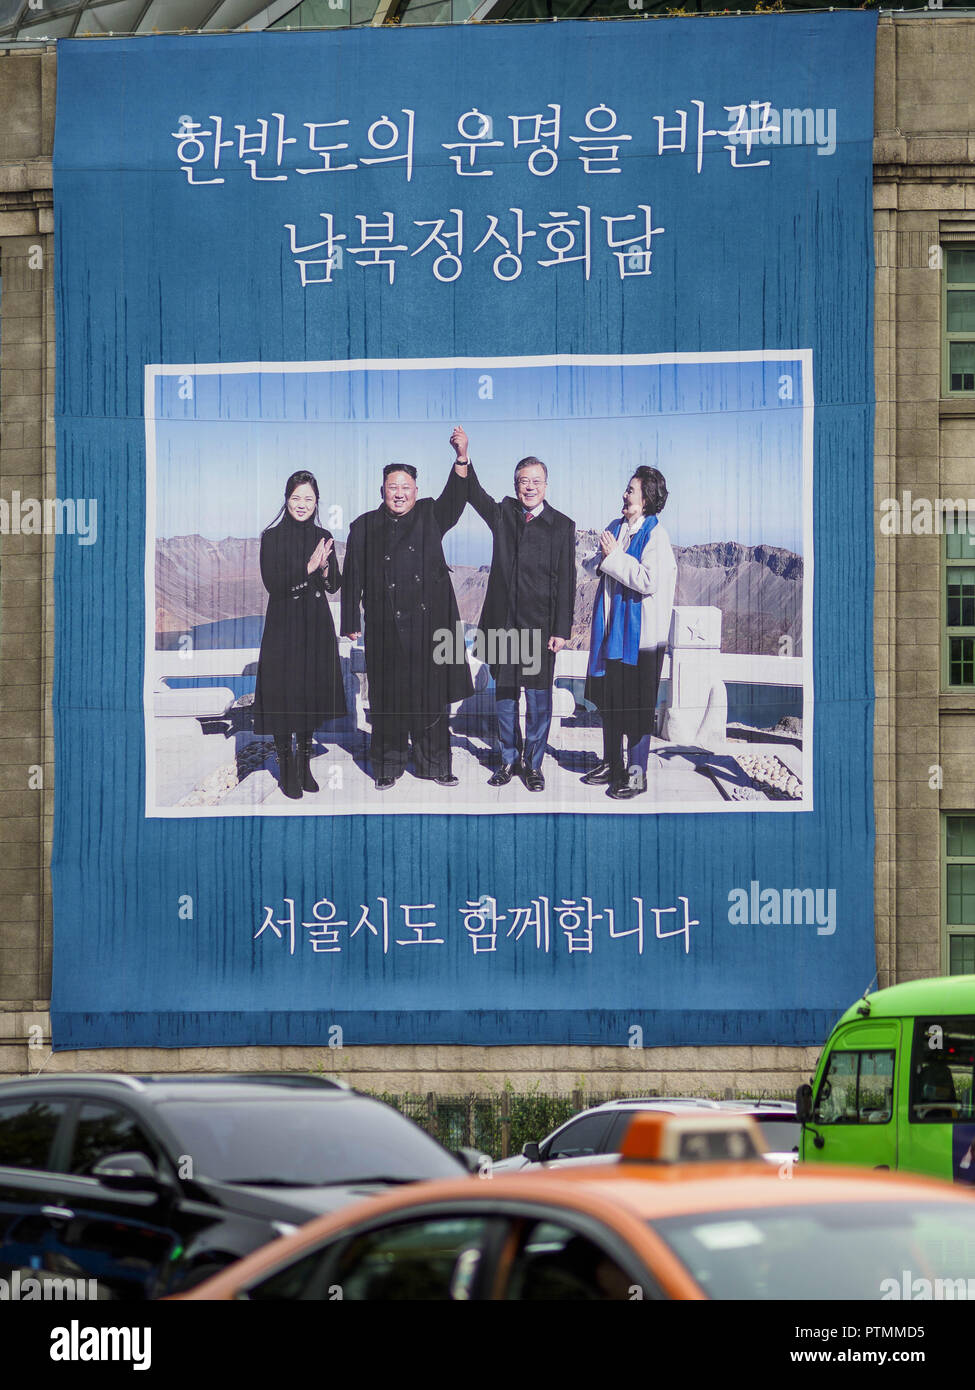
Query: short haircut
x,y
654,488
399,468
530,462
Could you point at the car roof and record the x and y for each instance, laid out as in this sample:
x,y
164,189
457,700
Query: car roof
x,y
673,1104
660,1102
762,1110
951,994
663,1189
249,1086
764,1104
623,1195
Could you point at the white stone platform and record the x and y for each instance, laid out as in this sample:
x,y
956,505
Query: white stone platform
x,y
205,774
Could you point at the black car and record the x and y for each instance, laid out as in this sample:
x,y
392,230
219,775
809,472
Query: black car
x,y
147,1184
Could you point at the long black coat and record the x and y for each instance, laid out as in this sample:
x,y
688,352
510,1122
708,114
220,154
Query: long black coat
x,y
532,584
299,676
396,573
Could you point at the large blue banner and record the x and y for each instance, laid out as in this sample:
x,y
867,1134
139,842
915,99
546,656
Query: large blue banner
x,y
466,631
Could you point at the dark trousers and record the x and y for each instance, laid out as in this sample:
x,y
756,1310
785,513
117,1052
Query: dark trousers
x,y
626,697
538,721
637,745
389,747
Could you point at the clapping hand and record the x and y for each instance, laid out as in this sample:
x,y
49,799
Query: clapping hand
x,y
319,556
607,542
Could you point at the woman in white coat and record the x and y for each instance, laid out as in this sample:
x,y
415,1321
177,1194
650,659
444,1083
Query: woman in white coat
x,y
630,629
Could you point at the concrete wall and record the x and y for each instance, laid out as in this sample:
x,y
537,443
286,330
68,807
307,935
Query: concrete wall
x,y
26,562
924,190
925,181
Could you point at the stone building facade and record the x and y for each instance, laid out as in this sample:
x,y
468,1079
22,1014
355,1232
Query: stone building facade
x,y
925,719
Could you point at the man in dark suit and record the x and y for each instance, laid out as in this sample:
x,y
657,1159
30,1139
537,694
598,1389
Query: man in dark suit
x,y
531,592
395,573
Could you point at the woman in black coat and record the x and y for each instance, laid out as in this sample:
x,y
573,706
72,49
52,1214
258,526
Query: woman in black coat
x,y
299,676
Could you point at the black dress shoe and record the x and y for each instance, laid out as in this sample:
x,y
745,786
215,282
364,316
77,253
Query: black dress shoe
x,y
449,781
503,775
631,784
534,781
601,773
384,783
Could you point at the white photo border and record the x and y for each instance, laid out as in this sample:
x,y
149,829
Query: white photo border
x,y
452,803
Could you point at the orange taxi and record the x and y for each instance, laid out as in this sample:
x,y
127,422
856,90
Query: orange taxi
x,y
687,1211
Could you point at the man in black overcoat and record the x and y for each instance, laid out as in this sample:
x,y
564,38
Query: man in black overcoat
x,y
531,591
396,574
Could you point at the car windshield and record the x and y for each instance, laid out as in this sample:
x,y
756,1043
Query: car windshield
x,y
873,1250
779,1136
305,1142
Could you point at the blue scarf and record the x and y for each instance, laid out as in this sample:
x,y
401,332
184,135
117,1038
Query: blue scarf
x,y
619,639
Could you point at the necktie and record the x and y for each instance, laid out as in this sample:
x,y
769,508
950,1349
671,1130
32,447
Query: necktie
x,y
528,517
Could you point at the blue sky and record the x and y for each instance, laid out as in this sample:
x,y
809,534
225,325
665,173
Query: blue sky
x,y
729,447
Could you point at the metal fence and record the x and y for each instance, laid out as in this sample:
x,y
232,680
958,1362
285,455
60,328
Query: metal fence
x,y
498,1123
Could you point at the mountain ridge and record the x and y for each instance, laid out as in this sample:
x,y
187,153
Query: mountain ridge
x,y
757,588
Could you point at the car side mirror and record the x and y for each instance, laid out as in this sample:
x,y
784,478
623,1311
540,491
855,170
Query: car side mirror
x,y
804,1106
531,1151
473,1159
128,1172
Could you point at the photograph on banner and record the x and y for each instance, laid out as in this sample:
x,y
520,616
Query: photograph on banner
x,y
480,586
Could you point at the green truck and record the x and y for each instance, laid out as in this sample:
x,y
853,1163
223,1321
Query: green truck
x,y
894,1085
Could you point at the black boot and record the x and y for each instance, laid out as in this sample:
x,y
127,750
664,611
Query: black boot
x,y
306,744
287,768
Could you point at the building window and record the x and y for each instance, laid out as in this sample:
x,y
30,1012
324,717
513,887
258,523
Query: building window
x,y
959,603
959,320
960,893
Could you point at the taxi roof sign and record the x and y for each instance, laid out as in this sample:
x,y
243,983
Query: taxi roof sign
x,y
695,1137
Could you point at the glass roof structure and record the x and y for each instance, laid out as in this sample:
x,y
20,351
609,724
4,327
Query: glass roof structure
x,y
40,20
62,19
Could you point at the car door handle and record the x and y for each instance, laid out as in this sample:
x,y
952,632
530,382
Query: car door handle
x,y
58,1213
